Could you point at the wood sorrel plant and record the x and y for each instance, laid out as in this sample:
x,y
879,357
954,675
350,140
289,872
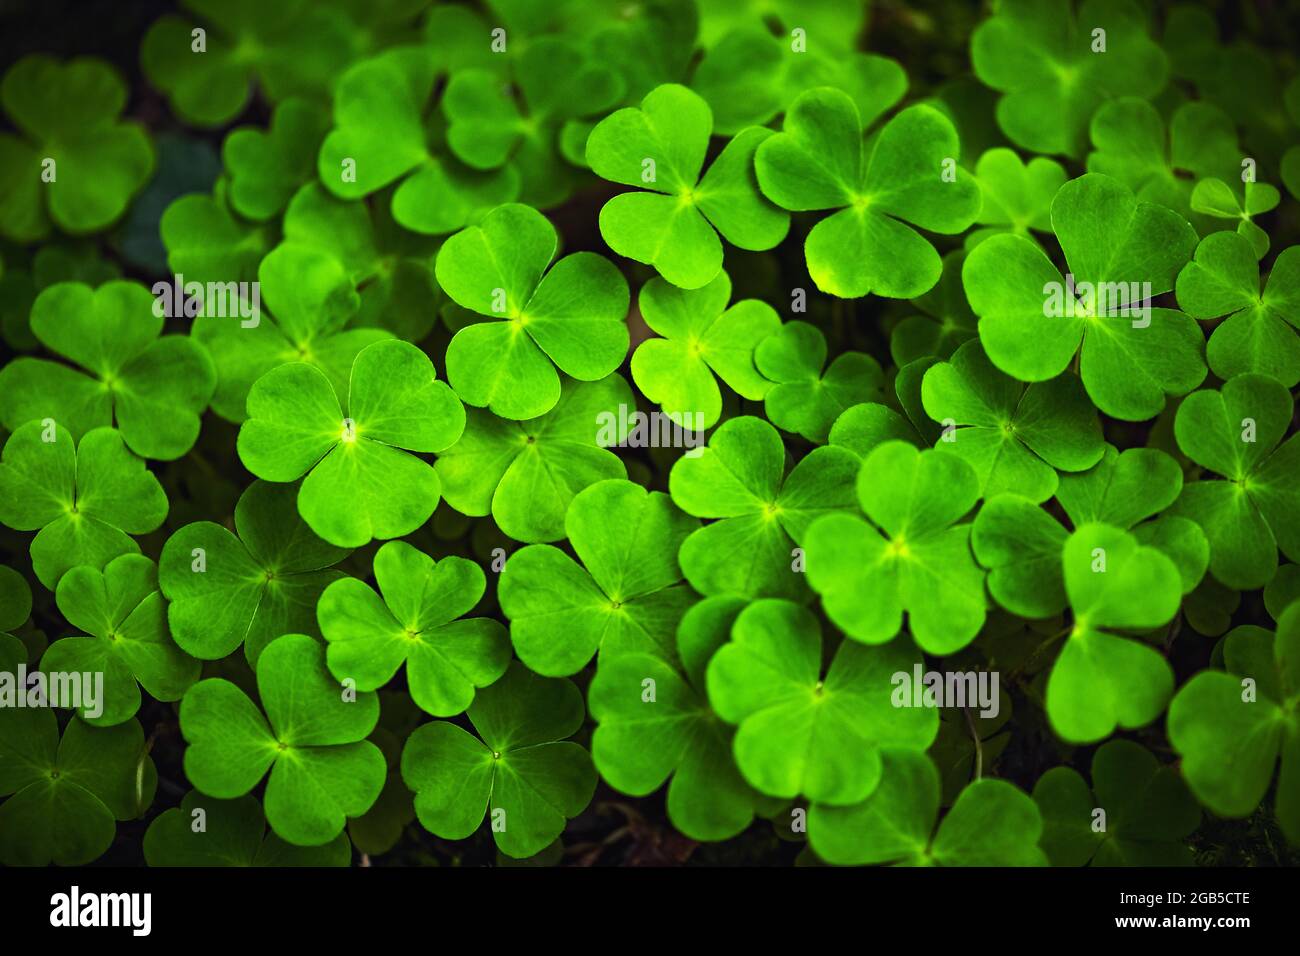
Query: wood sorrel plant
x,y
586,410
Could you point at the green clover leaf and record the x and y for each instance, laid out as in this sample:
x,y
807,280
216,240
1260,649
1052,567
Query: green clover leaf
x,y
233,834
570,316
248,587
525,473
802,731
1054,68
701,338
906,175
1146,810
417,621
1252,512
266,168
762,513
913,558
83,500
1017,195
518,771
65,796
361,480
1232,726
155,388
992,823
15,602
1015,436
312,740
206,243
673,225
945,322
77,165
808,395
1214,197
863,427
1258,332
125,619
1021,544
1120,253
625,597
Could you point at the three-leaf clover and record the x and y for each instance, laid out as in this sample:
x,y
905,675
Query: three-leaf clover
x,y
250,586
361,480
625,596
907,174
83,500
570,316
233,833
311,739
1017,196
1214,197
914,557
673,223
415,618
518,771
266,168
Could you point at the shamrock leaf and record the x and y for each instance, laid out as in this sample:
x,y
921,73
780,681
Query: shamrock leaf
x,y
1258,330
416,622
155,388
1015,436
312,740
1120,253
802,731
519,771
266,168
738,479
1232,727
1214,197
915,559
907,174
570,316
626,596
248,587
702,338
808,395
673,224
206,243
1137,813
525,473
83,500
1055,68
15,601
992,823
233,834
863,427
1017,196
1102,680
311,298
1021,544
945,323
76,164
125,619
361,482
1252,511
65,795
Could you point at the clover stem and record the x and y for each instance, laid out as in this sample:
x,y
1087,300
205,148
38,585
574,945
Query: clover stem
x,y
975,737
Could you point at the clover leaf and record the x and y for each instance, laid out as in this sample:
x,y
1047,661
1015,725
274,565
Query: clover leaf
x,y
1021,544
739,479
1017,196
417,620
1137,813
518,771
906,175
248,587
570,316
673,225
231,833
1120,252
626,596
992,823
83,500
1258,331
361,480
803,730
1015,436
912,558
65,796
945,322
266,168
1214,197
808,395
76,165
1232,726
525,473
206,243
1252,510
1055,67
311,739
701,338
15,602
